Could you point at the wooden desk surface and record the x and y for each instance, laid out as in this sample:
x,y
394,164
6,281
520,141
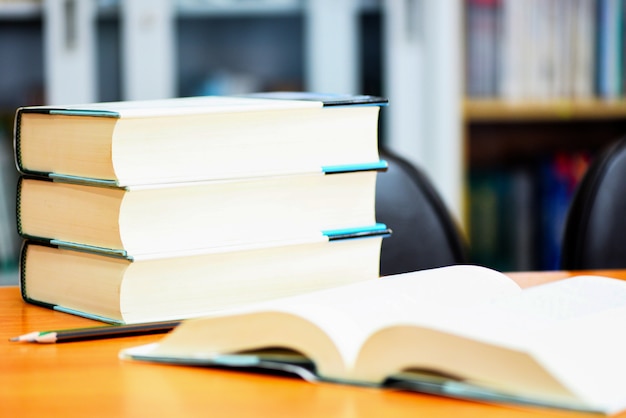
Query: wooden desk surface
x,y
83,379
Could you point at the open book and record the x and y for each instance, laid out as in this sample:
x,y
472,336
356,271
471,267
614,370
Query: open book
x,y
461,331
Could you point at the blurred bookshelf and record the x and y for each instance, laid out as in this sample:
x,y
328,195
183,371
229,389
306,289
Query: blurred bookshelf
x,y
19,9
544,92
498,110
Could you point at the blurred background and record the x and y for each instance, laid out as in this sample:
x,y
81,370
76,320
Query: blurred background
x,y
502,102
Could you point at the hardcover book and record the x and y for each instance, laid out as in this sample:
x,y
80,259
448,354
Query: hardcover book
x,y
116,289
177,218
198,138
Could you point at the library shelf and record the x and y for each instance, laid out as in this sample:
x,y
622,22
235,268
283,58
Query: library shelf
x,y
500,110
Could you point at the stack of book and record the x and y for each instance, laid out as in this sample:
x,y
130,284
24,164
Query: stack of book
x,y
158,210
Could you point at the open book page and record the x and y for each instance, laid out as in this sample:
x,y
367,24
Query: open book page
x,y
571,328
578,334
350,314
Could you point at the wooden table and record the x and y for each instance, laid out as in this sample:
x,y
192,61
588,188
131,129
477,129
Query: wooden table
x,y
86,379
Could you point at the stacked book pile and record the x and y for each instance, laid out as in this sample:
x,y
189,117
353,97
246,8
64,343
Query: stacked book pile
x,y
158,210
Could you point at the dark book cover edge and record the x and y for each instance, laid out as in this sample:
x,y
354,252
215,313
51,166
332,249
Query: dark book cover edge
x,y
327,99
72,246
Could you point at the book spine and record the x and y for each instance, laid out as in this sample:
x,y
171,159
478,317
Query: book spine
x,y
22,277
17,145
17,137
18,206
18,197
482,25
549,49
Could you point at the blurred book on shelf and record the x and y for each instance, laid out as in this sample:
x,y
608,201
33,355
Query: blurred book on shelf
x,y
545,50
559,176
503,217
517,212
483,27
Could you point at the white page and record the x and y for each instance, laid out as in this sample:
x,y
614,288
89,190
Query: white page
x,y
421,296
574,327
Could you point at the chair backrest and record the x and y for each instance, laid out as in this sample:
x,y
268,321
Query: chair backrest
x,y
424,233
595,229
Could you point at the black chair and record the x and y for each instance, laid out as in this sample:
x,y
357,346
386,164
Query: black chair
x,y
595,229
424,233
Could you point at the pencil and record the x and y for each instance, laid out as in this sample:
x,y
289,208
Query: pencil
x,y
93,333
